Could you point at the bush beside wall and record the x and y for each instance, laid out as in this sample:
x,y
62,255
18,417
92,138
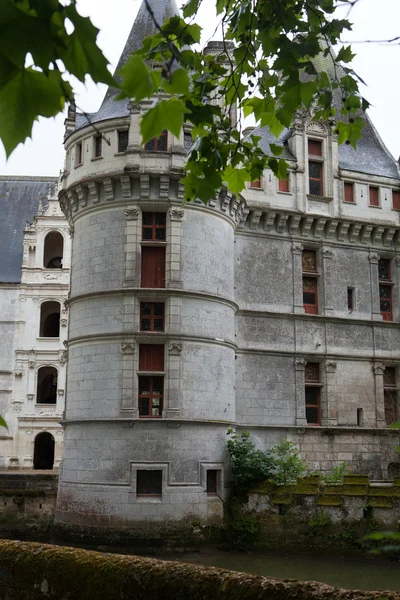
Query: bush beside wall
x,y
30,571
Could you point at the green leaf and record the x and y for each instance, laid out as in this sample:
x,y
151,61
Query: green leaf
x,y
3,423
190,8
165,114
27,94
137,80
179,83
235,178
277,150
345,55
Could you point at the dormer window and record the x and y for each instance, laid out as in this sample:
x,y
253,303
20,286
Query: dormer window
x,y
98,146
283,185
159,144
123,138
256,184
349,192
78,154
315,168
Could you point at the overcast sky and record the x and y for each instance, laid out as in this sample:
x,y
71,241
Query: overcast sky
x,y
377,64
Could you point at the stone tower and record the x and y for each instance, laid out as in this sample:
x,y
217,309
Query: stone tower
x,y
151,348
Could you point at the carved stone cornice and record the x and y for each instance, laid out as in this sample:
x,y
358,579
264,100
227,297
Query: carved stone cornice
x,y
128,349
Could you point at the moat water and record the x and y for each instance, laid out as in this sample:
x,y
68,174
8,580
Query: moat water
x,y
349,573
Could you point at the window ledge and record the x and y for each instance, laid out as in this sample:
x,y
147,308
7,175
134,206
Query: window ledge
x,y
285,193
319,198
153,243
373,206
149,499
77,166
151,374
351,203
96,158
122,153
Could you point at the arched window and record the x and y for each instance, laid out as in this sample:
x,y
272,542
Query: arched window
x,y
46,386
50,319
43,456
53,250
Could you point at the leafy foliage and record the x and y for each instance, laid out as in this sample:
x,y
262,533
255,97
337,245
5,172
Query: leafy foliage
x,y
337,474
287,464
3,423
37,53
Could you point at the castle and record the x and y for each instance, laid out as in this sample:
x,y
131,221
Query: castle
x,y
274,312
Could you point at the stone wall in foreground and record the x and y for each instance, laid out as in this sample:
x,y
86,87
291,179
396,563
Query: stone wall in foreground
x,y
34,571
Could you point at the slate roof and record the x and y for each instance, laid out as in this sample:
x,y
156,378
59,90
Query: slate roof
x,y
19,201
142,27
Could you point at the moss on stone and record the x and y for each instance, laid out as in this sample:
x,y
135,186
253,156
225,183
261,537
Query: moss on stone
x,y
330,501
356,479
34,571
380,502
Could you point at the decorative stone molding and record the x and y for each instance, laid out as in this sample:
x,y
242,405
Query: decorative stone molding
x,y
297,248
373,258
30,397
63,322
330,366
175,348
397,260
300,363
19,368
60,392
134,108
108,188
63,357
126,186
316,127
164,187
128,349
32,359
17,405
327,253
52,276
71,231
145,186
176,214
64,307
379,368
132,213
93,192
82,197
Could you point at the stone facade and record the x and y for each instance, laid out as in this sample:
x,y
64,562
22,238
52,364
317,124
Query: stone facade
x,y
236,337
34,323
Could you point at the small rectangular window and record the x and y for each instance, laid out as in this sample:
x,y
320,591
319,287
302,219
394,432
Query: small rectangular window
x,y
154,227
373,196
151,357
78,154
348,192
310,284
283,185
149,483
390,395
151,393
350,298
212,482
159,144
309,261
385,290
314,147
187,140
98,146
152,316
315,178
123,137
256,183
396,199
360,417
312,394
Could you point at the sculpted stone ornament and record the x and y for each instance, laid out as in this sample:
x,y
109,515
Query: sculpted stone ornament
x,y
128,349
300,363
32,359
327,253
297,248
379,368
132,213
63,357
17,405
63,322
175,348
177,214
330,366
316,127
51,276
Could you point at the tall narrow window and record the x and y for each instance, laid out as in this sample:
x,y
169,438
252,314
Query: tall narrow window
x,y
151,386
314,147
153,256
123,137
212,482
396,199
350,298
256,183
152,316
312,394
187,140
149,483
310,282
390,395
98,146
50,320
159,144
315,168
385,289
283,185
348,192
78,154
46,391
373,196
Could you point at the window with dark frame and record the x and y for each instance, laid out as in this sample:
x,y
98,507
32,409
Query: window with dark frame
x,y
152,316
212,482
283,185
187,140
149,483
385,289
350,298
310,282
312,394
159,144
123,138
314,147
390,394
154,227
396,199
78,154
256,183
373,196
151,387
315,178
349,192
98,146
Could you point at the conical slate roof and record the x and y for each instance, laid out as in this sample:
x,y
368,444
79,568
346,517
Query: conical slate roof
x,y
142,27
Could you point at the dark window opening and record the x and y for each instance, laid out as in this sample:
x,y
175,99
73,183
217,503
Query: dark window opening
x,y
153,267
368,512
350,298
151,396
53,250
384,269
154,227
151,357
212,482
283,185
78,154
149,483
309,261
348,192
152,316
123,138
187,140
396,199
50,320
390,394
159,144
47,386
315,178
310,295
373,196
256,183
315,147
312,394
360,417
385,291
43,456
98,146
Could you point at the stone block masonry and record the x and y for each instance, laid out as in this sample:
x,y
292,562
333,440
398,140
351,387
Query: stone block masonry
x,y
36,571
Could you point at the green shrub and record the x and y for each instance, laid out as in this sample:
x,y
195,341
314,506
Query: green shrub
x,y
287,464
337,474
249,465
245,529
